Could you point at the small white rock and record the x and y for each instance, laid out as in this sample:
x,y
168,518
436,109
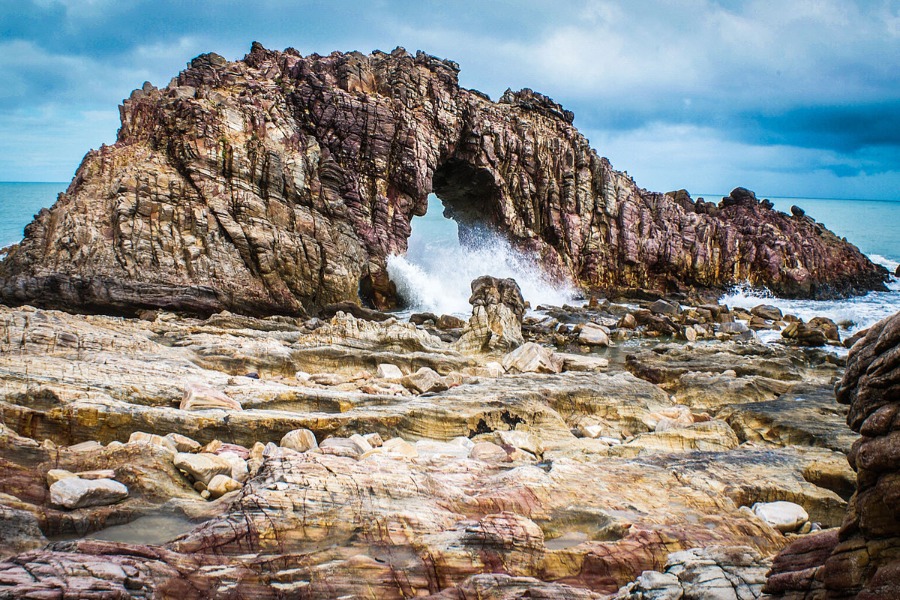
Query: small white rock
x,y
389,371
783,516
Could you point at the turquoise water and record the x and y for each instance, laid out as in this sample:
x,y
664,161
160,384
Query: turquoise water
x,y
19,202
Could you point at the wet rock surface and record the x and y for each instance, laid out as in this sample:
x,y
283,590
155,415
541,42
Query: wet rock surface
x,y
558,470
279,184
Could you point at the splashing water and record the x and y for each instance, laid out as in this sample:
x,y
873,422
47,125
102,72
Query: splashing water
x,y
437,272
851,314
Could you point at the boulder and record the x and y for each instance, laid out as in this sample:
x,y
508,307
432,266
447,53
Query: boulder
x,y
783,516
220,485
497,312
139,437
767,312
300,440
592,334
202,467
423,381
487,452
388,371
803,334
348,447
54,475
662,307
449,322
74,492
183,443
826,326
627,322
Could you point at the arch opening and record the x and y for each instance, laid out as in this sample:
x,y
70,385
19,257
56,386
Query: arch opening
x,y
458,240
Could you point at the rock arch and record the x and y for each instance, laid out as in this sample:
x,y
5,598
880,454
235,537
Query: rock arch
x,y
280,183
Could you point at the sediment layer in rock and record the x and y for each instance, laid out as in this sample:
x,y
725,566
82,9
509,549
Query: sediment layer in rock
x,y
280,183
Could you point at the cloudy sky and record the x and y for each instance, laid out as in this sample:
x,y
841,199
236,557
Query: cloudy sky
x,y
789,98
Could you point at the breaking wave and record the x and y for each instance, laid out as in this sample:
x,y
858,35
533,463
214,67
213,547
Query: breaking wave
x,y
436,272
851,314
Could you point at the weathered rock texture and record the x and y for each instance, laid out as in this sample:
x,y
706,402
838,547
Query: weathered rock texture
x,y
496,321
280,183
863,560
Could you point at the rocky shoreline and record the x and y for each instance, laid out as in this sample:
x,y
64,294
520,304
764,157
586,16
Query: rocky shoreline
x,y
612,450
280,184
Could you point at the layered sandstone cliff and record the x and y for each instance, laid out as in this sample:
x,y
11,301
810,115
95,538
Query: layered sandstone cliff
x,y
280,183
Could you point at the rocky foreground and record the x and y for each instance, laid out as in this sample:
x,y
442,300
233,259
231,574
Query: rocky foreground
x,y
279,184
595,452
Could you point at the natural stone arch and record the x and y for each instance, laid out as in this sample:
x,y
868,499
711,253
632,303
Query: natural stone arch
x,y
470,197
330,157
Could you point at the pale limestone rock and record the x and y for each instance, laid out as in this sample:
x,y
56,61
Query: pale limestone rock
x,y
361,442
255,460
339,446
374,440
487,452
74,492
329,379
435,448
300,440
423,381
183,443
202,467
524,440
463,441
54,475
400,447
783,516
715,573
690,334
389,371
532,358
202,397
139,437
222,484
239,469
592,334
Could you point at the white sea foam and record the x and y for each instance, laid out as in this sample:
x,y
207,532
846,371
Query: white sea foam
x,y
851,314
436,276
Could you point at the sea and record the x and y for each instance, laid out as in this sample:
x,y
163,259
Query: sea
x,y
436,272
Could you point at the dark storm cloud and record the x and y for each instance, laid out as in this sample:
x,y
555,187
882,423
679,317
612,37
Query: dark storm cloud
x,y
817,76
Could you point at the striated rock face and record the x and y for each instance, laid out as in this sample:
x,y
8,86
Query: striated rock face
x,y
496,321
280,183
862,560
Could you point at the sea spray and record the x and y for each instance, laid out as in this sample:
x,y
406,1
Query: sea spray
x,y
851,314
436,272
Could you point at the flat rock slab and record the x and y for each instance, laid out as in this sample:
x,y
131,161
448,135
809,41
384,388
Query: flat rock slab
x,y
74,492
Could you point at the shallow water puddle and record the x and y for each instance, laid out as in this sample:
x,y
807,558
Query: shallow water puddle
x,y
152,529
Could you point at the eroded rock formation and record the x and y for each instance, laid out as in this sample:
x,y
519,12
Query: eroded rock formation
x,y
280,183
861,561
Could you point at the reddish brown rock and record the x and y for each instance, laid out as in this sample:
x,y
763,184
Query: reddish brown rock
x,y
280,183
863,559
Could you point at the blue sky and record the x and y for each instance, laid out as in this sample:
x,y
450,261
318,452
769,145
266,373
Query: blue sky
x,y
797,98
